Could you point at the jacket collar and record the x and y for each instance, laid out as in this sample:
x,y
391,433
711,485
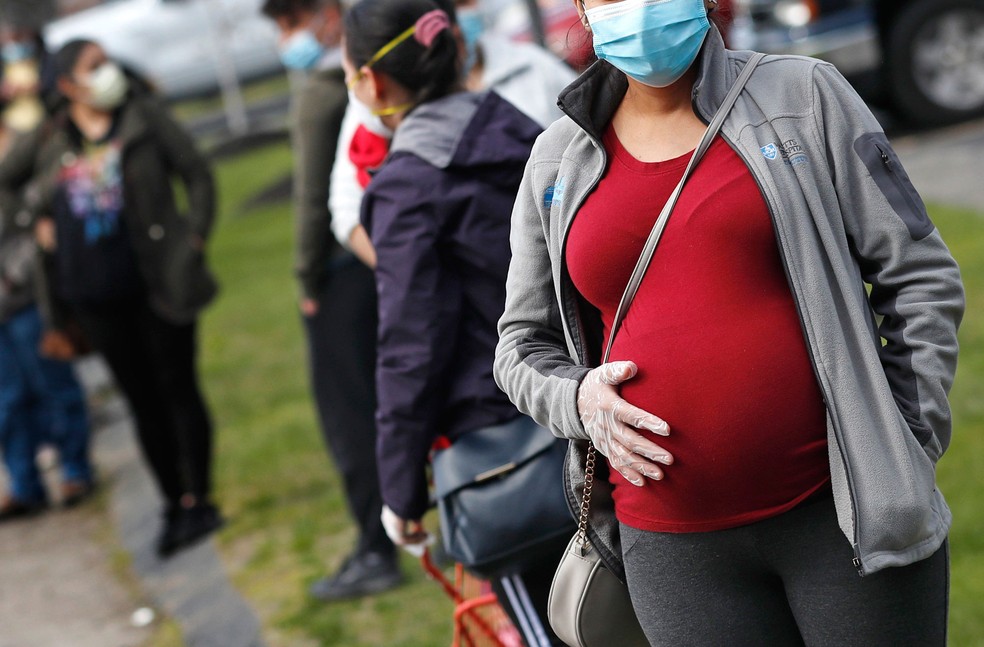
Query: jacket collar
x,y
433,130
591,100
132,123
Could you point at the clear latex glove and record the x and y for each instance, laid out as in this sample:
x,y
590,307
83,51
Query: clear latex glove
x,y
408,534
611,423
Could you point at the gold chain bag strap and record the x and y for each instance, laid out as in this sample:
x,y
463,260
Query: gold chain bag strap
x,y
588,605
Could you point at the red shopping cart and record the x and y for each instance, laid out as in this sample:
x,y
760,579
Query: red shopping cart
x,y
479,621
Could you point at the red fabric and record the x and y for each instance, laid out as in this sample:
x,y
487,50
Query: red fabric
x,y
715,334
367,151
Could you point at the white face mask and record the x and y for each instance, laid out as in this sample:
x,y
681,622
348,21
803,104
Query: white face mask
x,y
372,123
107,85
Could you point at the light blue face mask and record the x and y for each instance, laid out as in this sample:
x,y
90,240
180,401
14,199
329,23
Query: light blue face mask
x,y
653,41
472,25
302,51
18,51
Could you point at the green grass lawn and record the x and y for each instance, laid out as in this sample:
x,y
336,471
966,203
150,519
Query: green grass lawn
x,y
288,522
961,472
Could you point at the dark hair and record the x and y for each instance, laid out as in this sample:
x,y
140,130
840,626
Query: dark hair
x,y
427,72
720,18
448,7
68,55
290,8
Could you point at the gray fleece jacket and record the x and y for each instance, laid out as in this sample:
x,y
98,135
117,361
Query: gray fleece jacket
x,y
845,215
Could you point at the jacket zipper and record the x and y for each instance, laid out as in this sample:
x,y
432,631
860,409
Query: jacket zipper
x,y
564,277
575,330
893,173
856,561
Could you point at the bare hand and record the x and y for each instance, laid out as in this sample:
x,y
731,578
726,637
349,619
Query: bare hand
x,y
44,233
611,423
309,307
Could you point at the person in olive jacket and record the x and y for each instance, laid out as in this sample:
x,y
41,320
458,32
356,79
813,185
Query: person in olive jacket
x,y
337,295
126,264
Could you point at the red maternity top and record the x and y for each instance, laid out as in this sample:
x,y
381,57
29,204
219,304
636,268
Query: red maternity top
x,y
715,333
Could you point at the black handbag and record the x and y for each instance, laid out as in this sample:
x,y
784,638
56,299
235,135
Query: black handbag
x,y
500,496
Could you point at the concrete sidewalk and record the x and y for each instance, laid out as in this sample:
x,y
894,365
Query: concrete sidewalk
x,y
944,164
60,582
58,586
60,579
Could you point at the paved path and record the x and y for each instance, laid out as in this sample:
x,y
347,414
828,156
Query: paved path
x,y
58,587
57,583
945,165
191,587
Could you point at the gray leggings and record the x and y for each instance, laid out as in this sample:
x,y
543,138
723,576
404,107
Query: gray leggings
x,y
784,581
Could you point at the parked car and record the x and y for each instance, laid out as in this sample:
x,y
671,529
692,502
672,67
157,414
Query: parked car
x,y
925,57
178,45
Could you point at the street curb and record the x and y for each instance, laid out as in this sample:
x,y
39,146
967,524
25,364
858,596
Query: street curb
x,y
192,587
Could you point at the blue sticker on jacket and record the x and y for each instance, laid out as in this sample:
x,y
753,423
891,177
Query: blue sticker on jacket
x,y
554,194
559,189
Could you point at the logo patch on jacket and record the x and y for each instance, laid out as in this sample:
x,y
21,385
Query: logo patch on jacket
x,y
790,151
554,194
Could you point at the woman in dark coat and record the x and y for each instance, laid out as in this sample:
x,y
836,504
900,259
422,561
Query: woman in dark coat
x,y
127,264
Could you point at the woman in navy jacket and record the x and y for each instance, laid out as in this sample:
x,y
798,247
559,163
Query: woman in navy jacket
x,y
438,213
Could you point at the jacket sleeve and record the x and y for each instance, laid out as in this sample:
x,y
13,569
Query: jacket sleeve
x,y
533,365
25,194
17,170
916,289
419,306
320,108
187,161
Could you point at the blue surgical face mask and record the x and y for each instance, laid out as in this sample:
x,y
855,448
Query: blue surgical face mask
x,y
302,51
653,41
472,25
18,51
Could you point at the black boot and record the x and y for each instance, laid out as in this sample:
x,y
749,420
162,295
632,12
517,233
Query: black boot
x,y
186,526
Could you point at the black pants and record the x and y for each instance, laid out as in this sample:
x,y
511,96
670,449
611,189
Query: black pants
x,y
784,581
153,362
342,358
524,598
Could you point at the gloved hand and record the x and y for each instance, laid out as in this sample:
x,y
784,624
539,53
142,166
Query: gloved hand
x,y
611,423
409,534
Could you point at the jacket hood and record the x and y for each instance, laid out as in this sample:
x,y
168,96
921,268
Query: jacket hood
x,y
466,129
587,101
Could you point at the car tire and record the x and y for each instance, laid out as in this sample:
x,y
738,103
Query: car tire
x,y
934,66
